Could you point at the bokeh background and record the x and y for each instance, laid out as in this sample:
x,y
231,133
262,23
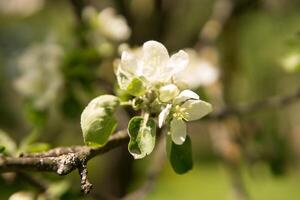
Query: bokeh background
x,y
256,51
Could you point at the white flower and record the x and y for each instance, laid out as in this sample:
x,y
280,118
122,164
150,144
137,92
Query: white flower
x,y
187,106
152,62
199,72
40,78
113,26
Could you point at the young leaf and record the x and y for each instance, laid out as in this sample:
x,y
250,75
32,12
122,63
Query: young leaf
x,y
142,137
37,147
28,140
180,156
98,121
8,143
136,87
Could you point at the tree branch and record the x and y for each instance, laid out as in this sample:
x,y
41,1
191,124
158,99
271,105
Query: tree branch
x,y
62,160
272,102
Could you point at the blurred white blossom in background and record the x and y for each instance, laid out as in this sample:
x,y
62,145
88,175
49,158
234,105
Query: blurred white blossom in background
x,y
106,28
22,195
40,77
199,72
113,26
291,62
22,8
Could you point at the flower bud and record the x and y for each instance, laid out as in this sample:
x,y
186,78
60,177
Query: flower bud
x,y
168,92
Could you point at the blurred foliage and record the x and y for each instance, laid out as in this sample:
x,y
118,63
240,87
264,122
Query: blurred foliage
x,y
259,57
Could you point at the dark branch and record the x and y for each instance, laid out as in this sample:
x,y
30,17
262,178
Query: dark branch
x,y
272,102
62,160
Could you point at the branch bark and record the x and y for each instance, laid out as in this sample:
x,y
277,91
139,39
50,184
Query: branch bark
x,y
62,160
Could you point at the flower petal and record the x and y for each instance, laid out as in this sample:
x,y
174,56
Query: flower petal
x,y
186,95
155,58
154,50
163,115
177,63
178,131
196,109
128,62
123,78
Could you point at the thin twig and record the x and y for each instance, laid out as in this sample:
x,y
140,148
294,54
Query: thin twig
x,y
272,102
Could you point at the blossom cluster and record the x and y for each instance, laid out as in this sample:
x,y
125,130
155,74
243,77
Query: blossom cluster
x,y
152,77
105,28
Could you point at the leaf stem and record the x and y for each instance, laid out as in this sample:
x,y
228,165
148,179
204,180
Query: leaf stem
x,y
145,119
126,103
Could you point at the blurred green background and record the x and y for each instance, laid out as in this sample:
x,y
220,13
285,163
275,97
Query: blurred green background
x,y
262,147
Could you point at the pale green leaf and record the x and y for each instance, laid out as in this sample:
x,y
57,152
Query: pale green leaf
x,y
28,140
142,137
8,143
37,147
136,87
98,121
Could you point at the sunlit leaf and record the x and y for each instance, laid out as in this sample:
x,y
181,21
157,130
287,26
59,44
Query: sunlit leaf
x,y
8,143
98,121
142,137
28,140
37,147
136,87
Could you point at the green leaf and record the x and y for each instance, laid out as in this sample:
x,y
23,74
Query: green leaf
x,y
136,87
28,140
2,148
37,117
37,147
180,156
8,143
142,136
98,121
